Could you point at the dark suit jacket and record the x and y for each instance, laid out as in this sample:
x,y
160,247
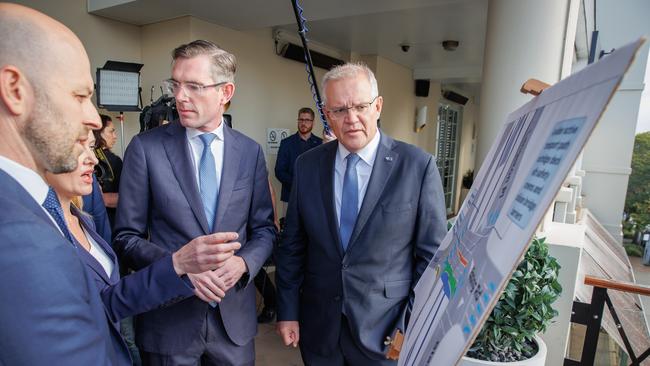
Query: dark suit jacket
x,y
154,286
399,227
51,312
160,210
287,155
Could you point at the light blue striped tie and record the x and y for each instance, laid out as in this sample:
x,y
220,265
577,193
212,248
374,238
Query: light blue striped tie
x,y
208,180
349,200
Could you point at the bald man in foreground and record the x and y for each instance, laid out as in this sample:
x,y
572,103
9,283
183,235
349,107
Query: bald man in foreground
x,y
51,312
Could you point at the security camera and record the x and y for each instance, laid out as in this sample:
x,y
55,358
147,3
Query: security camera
x,y
450,45
405,47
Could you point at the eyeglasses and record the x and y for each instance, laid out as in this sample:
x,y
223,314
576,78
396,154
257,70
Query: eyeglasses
x,y
172,87
361,108
305,120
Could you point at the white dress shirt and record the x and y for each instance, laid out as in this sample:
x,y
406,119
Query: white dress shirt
x,y
99,254
196,147
364,169
30,181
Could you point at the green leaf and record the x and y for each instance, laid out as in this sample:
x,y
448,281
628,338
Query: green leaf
x,y
524,308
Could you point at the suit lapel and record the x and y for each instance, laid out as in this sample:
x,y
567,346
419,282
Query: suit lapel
x,y
89,259
229,173
381,170
14,190
179,157
91,262
327,161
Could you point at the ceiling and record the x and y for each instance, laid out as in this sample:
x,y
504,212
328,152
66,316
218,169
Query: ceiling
x,y
361,26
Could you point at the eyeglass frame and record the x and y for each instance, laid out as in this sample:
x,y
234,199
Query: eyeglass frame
x,y
167,84
343,111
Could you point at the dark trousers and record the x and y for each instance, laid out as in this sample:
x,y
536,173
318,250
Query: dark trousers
x,y
347,354
213,349
264,285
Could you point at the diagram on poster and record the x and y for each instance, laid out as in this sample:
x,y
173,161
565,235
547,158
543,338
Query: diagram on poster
x,y
517,182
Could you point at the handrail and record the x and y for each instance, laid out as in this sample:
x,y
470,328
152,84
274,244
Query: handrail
x,y
617,285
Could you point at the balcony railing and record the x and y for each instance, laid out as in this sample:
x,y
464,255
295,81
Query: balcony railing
x,y
591,316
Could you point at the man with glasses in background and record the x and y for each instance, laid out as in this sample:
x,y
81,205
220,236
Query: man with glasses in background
x,y
365,217
185,180
291,147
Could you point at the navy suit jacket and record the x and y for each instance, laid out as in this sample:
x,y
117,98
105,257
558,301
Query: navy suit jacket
x,y
51,311
154,286
399,227
160,210
287,155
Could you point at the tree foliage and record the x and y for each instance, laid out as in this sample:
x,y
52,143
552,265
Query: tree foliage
x,y
637,201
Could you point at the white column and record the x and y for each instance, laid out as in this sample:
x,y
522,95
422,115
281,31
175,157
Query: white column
x,y
608,153
525,39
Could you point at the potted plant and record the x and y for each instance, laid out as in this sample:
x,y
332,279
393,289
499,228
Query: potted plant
x,y
466,184
524,309
468,179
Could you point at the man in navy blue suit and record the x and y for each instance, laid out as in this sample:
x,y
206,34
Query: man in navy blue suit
x,y
50,312
190,178
365,217
291,147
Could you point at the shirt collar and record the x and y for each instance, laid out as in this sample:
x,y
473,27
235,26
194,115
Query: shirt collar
x,y
31,181
193,132
367,153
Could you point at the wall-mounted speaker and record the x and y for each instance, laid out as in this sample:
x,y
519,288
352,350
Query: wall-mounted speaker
x,y
422,88
297,53
455,97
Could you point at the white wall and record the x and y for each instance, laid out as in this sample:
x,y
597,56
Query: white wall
x,y
396,85
427,137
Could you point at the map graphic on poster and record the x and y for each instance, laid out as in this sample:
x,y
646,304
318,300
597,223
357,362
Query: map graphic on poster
x,y
517,182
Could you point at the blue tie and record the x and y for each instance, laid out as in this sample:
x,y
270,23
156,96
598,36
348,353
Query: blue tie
x,y
53,207
349,200
208,180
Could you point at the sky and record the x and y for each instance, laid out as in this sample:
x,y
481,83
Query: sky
x,y
643,123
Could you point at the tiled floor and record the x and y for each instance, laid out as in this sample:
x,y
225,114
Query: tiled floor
x,y
270,351
642,277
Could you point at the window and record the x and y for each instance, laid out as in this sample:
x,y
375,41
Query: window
x,y
448,137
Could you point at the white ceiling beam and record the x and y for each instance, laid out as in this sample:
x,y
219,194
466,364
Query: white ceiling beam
x,y
96,5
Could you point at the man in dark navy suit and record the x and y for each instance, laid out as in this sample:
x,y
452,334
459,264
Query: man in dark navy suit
x,y
188,179
291,147
365,217
50,312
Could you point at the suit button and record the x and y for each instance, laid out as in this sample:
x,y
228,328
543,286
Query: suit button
x,y
337,298
345,266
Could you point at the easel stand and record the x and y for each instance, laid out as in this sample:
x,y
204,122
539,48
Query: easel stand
x,y
121,118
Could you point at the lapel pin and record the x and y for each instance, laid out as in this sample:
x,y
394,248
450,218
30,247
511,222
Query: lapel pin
x,y
388,158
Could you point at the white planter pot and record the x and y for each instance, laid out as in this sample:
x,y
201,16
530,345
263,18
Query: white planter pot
x,y
538,360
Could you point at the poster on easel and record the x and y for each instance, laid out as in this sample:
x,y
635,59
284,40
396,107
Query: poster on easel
x,y
514,188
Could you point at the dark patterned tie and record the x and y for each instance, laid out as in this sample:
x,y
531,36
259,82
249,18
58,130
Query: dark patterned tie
x,y
349,200
53,207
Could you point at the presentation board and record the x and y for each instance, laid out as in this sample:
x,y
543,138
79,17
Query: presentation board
x,y
516,184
